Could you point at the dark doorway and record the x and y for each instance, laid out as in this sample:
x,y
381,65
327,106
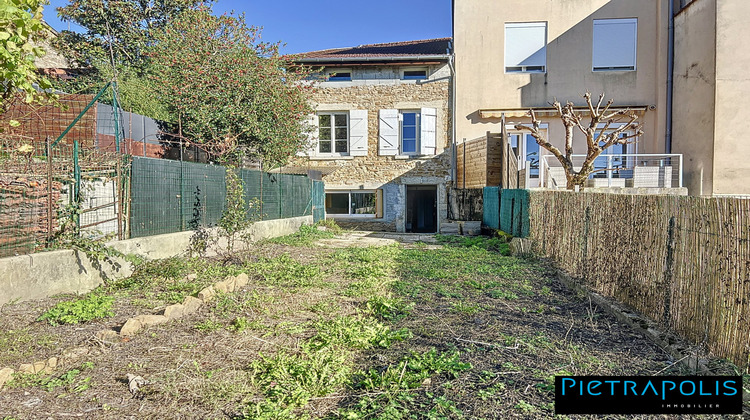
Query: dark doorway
x,y
421,208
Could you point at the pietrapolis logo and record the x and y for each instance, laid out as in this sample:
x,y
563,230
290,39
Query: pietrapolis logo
x,y
648,395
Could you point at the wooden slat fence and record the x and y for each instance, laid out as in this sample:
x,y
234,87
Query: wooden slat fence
x,y
486,161
682,261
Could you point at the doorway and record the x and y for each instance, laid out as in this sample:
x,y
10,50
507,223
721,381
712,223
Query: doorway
x,y
421,208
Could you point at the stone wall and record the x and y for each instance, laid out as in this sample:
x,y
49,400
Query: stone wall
x,y
389,173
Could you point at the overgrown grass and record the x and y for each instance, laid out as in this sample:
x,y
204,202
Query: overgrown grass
x,y
20,343
308,234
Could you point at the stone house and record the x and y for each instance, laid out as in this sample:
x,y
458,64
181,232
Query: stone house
x,y
381,134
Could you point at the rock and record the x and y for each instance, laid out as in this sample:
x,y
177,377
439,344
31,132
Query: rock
x,y
191,305
520,247
131,327
207,294
52,364
26,368
109,336
174,311
241,280
470,228
5,375
225,286
75,353
148,320
39,366
191,277
135,383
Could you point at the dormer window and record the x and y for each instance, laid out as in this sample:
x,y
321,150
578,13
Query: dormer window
x,y
416,73
339,75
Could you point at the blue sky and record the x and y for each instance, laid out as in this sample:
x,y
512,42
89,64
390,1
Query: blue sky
x,y
315,25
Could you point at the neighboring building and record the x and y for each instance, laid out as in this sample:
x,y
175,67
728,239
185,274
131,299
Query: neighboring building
x,y
513,56
711,94
381,137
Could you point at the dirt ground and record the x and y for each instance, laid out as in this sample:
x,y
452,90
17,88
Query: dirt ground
x,y
351,326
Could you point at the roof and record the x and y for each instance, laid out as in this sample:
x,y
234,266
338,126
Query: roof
x,y
422,50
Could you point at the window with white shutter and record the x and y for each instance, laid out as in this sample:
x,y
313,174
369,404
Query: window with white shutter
x,y
526,47
358,132
615,44
428,144
333,134
388,135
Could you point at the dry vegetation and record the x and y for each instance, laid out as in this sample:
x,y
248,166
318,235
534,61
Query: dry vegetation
x,y
462,331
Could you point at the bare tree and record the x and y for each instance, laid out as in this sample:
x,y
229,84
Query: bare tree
x,y
626,131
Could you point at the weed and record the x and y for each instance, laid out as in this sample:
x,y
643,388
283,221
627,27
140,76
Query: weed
x,y
413,370
208,325
328,306
285,271
68,380
525,407
502,294
466,308
307,235
498,245
90,307
354,333
239,324
20,343
389,309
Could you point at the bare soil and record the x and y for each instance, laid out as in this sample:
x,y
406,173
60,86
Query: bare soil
x,y
509,318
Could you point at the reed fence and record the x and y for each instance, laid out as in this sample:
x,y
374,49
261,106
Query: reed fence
x,y
682,261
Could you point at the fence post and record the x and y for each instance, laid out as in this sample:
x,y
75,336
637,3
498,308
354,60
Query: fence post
x,y
182,193
50,216
669,272
76,185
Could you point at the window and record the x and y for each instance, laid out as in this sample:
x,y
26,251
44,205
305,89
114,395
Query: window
x,y
410,128
414,74
611,163
407,132
615,43
353,203
526,47
339,75
333,133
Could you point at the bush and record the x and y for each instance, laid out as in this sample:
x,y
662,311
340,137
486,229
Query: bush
x,y
87,308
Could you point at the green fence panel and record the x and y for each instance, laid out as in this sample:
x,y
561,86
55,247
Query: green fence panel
x,y
251,181
155,197
271,196
203,194
168,196
514,212
491,207
318,201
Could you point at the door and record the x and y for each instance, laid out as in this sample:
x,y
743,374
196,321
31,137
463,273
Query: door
x,y
421,208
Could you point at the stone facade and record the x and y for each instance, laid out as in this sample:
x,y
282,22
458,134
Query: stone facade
x,y
374,89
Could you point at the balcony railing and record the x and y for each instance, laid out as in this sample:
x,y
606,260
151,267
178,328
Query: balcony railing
x,y
618,171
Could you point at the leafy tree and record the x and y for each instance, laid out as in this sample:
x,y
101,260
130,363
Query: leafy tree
x,y
231,92
117,33
20,25
598,138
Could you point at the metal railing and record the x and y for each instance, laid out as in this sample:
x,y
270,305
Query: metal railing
x,y
618,171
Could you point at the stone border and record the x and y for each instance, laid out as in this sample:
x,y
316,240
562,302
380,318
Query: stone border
x,y
135,324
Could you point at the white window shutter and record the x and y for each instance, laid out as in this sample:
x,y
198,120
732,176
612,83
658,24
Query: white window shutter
x,y
525,44
311,144
615,42
429,131
358,132
388,135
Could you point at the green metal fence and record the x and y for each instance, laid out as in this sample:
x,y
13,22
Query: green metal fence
x,y
491,207
507,210
172,196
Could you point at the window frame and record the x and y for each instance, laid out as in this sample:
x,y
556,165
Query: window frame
x,y
525,69
349,204
330,78
418,129
333,152
601,69
412,69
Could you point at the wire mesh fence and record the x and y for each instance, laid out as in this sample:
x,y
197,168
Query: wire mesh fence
x,y
683,261
68,170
